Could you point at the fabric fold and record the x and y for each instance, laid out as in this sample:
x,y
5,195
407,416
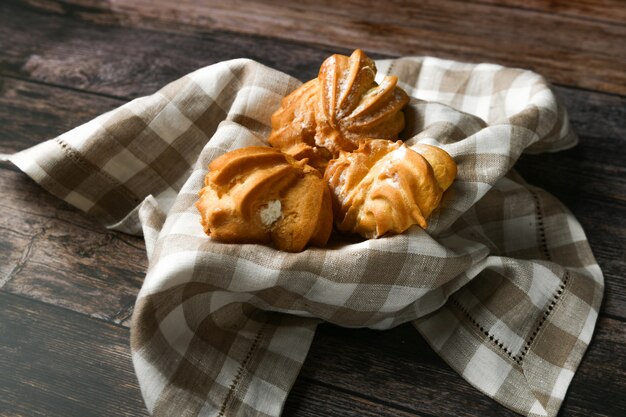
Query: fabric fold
x,y
502,284
519,329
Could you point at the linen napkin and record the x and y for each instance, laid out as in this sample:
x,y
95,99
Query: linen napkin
x,y
502,284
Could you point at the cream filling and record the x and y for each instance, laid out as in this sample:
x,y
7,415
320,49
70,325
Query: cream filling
x,y
271,212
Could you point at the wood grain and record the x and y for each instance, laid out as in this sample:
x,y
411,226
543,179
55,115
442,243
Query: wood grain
x,y
610,11
408,373
61,256
310,398
597,116
125,62
445,28
30,112
58,363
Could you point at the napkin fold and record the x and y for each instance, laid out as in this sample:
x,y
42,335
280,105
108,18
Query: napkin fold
x,y
502,284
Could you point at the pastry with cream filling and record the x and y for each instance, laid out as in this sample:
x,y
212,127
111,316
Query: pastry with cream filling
x,y
261,195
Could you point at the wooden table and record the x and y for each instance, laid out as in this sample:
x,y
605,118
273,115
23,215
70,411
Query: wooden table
x,y
68,285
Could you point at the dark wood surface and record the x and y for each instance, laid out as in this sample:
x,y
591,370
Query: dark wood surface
x,y
67,285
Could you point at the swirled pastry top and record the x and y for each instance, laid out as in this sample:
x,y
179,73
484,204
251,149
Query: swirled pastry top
x,y
261,195
337,110
385,186
294,126
352,106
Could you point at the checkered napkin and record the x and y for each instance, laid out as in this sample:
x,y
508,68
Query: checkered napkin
x,y
502,284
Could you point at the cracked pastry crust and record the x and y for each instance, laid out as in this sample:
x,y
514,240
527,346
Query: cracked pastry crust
x,y
338,110
261,195
386,187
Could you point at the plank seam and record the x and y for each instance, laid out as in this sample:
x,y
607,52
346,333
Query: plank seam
x,y
367,397
538,11
64,309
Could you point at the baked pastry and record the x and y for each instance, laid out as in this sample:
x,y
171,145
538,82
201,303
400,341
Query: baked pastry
x,y
337,110
442,163
261,195
346,125
353,107
293,126
385,187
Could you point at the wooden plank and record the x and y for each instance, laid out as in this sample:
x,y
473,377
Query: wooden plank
x,y
30,113
446,28
597,116
13,249
57,363
53,252
398,367
126,62
309,398
59,255
610,11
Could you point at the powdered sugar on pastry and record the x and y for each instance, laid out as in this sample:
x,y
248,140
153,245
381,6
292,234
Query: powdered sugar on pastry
x,y
337,110
382,187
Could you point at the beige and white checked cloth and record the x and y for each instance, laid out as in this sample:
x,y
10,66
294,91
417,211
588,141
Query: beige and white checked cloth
x,y
502,284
